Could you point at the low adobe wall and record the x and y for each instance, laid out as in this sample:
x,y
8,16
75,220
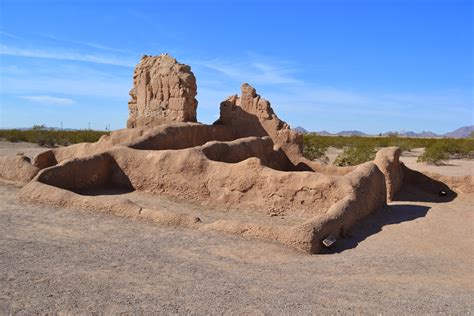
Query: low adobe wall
x,y
388,161
244,148
399,176
167,136
191,176
17,169
367,195
330,204
180,136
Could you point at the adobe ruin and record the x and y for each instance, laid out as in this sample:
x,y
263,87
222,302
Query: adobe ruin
x,y
164,91
244,174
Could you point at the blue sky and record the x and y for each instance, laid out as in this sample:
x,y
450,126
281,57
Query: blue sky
x,y
333,65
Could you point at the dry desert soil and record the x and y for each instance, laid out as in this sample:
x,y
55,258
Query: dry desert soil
x,y
409,258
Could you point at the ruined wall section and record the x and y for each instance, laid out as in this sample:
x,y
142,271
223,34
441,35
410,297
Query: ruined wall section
x,y
252,115
163,91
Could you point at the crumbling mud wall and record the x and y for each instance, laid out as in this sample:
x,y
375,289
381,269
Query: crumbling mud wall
x,y
367,194
388,161
252,115
163,91
246,169
191,175
17,169
166,136
244,148
398,176
180,136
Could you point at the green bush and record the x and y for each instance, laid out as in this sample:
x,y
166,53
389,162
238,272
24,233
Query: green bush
x,y
49,138
454,148
44,140
434,155
438,153
314,150
355,155
403,143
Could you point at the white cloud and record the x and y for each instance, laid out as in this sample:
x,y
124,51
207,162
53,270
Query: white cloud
x,y
87,86
278,81
83,43
47,99
65,55
13,70
254,72
293,98
63,79
312,98
6,34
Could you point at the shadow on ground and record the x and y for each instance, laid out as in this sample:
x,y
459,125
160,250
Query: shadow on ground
x,y
390,215
413,194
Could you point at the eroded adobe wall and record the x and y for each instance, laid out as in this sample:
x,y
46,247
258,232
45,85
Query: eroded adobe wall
x,y
166,136
163,91
252,115
330,204
180,136
244,148
367,193
191,176
88,173
17,169
388,161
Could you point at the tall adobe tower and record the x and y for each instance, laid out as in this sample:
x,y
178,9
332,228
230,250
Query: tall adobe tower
x,y
163,91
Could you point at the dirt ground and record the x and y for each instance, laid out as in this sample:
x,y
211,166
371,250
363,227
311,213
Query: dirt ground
x,y
28,149
410,258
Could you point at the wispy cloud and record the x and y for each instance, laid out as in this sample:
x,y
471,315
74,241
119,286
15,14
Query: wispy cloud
x,y
47,99
65,79
65,55
315,98
87,85
13,70
6,34
84,43
254,72
337,108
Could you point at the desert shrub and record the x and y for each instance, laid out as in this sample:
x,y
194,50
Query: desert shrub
x,y
456,148
45,141
355,155
434,155
405,144
315,150
444,149
49,138
15,136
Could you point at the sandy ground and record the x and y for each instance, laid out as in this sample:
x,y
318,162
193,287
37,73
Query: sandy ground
x,y
28,149
410,258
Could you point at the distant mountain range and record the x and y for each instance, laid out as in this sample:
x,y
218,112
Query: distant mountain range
x,y
462,132
300,129
423,134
